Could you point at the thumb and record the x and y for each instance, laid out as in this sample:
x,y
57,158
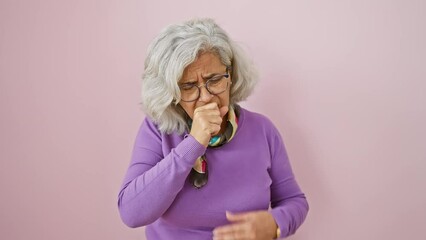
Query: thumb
x,y
236,217
223,110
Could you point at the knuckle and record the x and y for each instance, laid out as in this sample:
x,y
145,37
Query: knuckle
x,y
250,226
252,236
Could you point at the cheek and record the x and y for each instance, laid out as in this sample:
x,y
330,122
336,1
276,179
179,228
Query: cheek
x,y
189,108
225,98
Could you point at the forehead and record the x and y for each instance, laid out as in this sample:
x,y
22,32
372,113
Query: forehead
x,y
205,63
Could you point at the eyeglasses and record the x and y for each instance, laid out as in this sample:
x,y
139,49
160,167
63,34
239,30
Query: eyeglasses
x,y
215,85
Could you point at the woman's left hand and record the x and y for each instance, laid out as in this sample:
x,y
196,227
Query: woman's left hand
x,y
257,225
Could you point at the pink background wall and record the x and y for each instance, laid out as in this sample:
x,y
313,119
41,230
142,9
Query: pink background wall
x,y
343,80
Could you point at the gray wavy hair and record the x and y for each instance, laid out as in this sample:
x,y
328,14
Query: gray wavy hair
x,y
171,52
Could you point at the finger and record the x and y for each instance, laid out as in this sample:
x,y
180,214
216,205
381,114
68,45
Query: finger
x,y
213,112
237,217
223,111
231,237
207,111
236,236
214,129
229,230
215,120
208,117
209,106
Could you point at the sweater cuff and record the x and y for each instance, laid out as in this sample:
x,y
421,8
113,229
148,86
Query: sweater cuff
x,y
281,220
190,149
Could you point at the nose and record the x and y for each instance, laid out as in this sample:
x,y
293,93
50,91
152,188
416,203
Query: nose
x,y
205,96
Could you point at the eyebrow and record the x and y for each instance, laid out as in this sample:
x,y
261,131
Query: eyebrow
x,y
210,75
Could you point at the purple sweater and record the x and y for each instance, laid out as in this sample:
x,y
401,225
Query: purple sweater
x,y
251,172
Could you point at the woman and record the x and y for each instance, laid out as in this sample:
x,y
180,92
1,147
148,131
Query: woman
x,y
202,166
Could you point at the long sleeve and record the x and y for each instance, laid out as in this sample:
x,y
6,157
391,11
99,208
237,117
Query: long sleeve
x,y
288,202
152,180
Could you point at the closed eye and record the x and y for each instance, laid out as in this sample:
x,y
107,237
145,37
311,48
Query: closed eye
x,y
187,85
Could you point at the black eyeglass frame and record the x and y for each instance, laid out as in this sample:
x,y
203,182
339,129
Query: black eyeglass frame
x,y
226,75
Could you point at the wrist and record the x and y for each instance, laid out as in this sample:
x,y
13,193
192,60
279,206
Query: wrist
x,y
202,139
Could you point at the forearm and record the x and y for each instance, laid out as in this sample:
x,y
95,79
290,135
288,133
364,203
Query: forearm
x,y
290,213
288,202
145,196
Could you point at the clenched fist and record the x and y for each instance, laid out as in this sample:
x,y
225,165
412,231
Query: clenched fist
x,y
207,121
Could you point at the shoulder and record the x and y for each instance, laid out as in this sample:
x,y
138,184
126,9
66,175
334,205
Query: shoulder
x,y
149,130
256,120
150,133
260,128
149,125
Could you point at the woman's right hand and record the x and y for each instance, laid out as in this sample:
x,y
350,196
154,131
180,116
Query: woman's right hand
x,y
207,121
